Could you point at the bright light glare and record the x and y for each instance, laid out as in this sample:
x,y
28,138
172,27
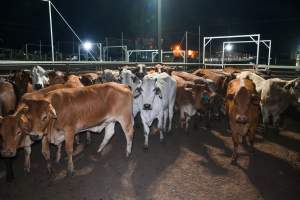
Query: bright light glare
x,y
87,45
229,47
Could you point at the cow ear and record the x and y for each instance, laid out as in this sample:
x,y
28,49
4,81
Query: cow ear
x,y
255,99
52,111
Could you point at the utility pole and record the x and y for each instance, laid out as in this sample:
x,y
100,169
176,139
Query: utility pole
x,y
51,30
26,51
159,30
199,57
40,50
186,47
122,44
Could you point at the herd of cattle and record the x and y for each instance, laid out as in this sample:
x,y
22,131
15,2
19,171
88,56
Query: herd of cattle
x,y
55,107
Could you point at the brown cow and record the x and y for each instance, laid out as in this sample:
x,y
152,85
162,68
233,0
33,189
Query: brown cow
x,y
8,99
8,102
63,113
22,81
220,79
189,99
243,110
56,77
90,78
12,136
215,102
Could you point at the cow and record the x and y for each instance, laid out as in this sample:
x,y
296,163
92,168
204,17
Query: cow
x,y
242,106
257,80
56,77
214,106
220,79
90,79
39,78
13,137
190,98
276,96
8,98
63,113
22,83
8,102
110,76
156,98
133,82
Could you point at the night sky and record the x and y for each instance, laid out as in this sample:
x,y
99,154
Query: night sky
x,y
24,21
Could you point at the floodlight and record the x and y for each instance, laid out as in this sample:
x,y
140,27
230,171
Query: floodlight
x,y
87,45
229,47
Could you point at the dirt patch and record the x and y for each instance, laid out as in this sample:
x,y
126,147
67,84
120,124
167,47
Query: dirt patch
x,y
194,166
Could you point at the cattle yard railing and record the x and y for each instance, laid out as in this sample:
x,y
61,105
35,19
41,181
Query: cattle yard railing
x,y
286,72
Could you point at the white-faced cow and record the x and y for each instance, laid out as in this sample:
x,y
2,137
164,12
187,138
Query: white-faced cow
x,y
156,100
39,77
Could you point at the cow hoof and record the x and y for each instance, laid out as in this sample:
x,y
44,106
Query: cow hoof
x,y
146,148
70,173
27,171
128,155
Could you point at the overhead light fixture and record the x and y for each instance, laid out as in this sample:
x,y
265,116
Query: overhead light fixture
x,y
87,45
229,47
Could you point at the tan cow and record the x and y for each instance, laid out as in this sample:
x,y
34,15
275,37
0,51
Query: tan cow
x,y
13,136
189,99
63,113
242,105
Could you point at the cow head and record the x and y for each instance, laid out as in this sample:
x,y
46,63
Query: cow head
x,y
148,92
130,79
39,77
241,101
200,95
21,81
294,88
11,133
39,114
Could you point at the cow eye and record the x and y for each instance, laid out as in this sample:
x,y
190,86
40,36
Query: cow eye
x,y
19,133
44,118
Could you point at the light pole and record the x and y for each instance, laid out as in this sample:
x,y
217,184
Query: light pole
x,y
51,29
159,29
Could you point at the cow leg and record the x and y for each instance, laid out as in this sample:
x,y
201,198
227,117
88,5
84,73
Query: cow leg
x,y
251,138
128,130
27,159
9,169
161,128
265,118
88,137
171,115
58,153
69,135
46,154
235,140
109,132
166,115
77,139
182,118
276,123
146,134
187,121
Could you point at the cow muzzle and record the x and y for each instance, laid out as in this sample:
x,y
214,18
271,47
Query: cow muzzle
x,y
8,153
241,119
38,86
35,137
147,107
